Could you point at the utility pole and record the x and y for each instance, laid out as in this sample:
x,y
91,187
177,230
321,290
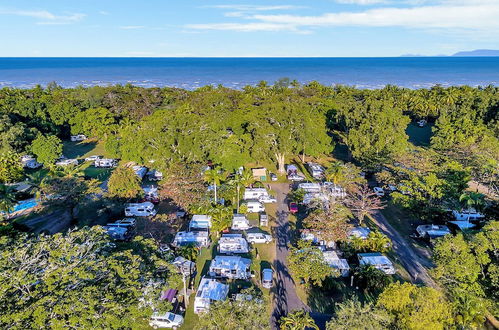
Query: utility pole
x,y
186,297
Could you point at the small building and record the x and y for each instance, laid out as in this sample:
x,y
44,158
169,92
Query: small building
x,y
432,231
200,222
198,238
264,219
316,170
29,161
232,243
240,222
230,267
105,163
184,266
255,193
360,232
78,138
377,260
209,290
140,171
259,174
334,261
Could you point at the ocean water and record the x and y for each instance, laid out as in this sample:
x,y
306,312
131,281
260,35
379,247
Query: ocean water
x,y
191,73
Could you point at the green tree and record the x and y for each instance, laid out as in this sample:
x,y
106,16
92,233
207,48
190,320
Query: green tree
x,y
307,263
95,122
352,314
79,280
371,279
248,313
7,198
124,183
11,169
473,200
416,307
298,320
47,149
189,252
330,225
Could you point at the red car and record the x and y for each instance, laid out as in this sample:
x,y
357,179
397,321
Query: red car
x,y
293,208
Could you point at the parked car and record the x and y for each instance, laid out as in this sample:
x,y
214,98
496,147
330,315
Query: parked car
x,y
293,207
267,199
166,320
422,123
258,238
379,191
267,275
93,158
273,177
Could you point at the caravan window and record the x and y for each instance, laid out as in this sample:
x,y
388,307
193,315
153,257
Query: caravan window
x,y
140,210
233,271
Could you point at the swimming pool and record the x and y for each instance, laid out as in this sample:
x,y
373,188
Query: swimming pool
x,y
24,205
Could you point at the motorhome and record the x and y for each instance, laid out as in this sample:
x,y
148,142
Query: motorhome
x,y
200,222
78,138
198,238
310,187
377,260
316,170
105,162
258,238
140,171
432,231
145,209
466,215
255,206
67,162
209,290
334,261
29,161
230,267
232,244
240,222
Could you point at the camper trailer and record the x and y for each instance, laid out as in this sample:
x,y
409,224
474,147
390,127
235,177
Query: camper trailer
x,y
200,222
231,267
255,206
232,244
334,261
310,187
105,162
198,238
209,290
29,161
67,162
240,222
377,260
145,209
78,138
316,170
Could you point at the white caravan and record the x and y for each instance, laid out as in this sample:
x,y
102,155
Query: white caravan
x,y
198,238
255,207
377,260
209,290
316,170
232,243
200,222
231,267
78,138
105,162
145,209
240,222
310,187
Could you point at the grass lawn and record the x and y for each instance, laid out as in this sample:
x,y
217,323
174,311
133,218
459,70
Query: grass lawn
x,y
101,174
83,149
419,136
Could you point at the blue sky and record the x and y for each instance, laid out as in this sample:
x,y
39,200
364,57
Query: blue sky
x,y
246,28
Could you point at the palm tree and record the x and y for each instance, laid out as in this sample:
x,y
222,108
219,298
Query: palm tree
x,y
71,171
335,173
247,178
189,252
471,199
36,181
222,217
7,198
214,176
377,242
298,320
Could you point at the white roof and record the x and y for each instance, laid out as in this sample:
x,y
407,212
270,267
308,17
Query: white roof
x,y
332,259
145,204
233,243
212,289
263,190
373,259
231,263
361,232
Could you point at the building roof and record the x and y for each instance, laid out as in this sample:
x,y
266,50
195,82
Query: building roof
x,y
374,258
361,232
212,289
332,259
231,263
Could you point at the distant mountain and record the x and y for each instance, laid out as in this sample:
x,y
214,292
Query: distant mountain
x,y
479,52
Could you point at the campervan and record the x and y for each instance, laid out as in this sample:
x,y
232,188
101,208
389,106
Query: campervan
x,y
255,206
105,162
78,138
145,209
240,222
209,290
316,170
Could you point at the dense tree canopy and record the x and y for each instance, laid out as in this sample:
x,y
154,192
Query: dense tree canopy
x,y
47,149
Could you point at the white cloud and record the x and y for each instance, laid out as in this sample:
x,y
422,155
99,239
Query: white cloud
x,y
243,27
46,17
132,27
361,2
254,7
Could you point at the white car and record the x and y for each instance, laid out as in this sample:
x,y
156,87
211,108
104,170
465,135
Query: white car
x,y
379,191
166,320
267,275
267,199
258,238
92,158
273,177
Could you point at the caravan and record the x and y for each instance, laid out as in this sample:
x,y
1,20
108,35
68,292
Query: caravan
x,y
316,170
255,206
240,222
105,163
231,267
145,209
200,222
232,243
209,291
78,138
198,238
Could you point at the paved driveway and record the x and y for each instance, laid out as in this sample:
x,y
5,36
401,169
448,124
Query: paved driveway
x,y
285,297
